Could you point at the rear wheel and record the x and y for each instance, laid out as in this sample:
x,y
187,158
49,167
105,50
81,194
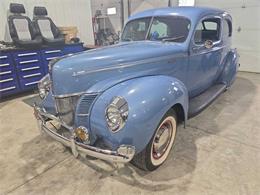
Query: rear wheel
x,y
160,145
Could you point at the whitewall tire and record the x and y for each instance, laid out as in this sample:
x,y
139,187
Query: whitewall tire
x,y
159,147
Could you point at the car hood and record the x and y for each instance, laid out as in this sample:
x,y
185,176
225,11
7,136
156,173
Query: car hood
x,y
98,69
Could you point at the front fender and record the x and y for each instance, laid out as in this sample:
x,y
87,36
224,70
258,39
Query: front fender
x,y
230,68
149,98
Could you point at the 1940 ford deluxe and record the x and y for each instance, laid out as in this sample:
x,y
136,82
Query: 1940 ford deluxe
x,y
123,102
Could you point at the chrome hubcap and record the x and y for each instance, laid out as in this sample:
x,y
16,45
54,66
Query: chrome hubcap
x,y
162,139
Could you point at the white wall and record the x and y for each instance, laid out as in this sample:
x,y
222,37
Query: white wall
x,y
63,13
141,5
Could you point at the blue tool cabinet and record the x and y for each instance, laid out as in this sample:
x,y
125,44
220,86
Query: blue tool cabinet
x,y
20,69
8,80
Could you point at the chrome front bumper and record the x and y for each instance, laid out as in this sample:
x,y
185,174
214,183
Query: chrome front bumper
x,y
123,154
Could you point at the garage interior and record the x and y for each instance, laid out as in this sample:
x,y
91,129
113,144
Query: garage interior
x,y
218,152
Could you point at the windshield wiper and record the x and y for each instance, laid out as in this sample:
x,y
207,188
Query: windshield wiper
x,y
172,38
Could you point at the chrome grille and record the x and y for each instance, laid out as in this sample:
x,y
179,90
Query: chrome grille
x,y
66,108
85,104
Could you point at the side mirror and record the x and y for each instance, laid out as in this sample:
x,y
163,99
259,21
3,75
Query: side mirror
x,y
208,44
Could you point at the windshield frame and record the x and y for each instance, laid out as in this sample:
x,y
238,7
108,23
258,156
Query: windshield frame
x,y
150,26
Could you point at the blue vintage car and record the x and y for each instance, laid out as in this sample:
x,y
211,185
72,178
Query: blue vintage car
x,y
123,102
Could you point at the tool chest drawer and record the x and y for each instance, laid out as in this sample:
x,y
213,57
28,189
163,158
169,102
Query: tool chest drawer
x,y
50,54
29,82
8,86
8,79
30,76
29,69
71,49
6,62
24,57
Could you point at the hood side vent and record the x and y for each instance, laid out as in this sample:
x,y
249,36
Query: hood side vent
x,y
85,104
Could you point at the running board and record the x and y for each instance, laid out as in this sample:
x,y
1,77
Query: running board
x,y
202,101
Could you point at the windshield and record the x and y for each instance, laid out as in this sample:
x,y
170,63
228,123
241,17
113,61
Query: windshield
x,y
164,28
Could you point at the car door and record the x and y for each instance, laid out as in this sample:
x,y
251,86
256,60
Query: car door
x,y
205,55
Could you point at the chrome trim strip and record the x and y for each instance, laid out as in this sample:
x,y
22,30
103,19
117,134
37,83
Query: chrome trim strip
x,y
52,58
3,57
27,54
6,80
7,89
31,68
29,61
83,114
6,72
213,49
32,75
52,51
123,154
73,94
3,65
32,83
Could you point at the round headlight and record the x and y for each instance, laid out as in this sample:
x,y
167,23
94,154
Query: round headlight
x,y
116,114
44,86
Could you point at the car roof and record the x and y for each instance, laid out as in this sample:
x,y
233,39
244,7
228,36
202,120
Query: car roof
x,y
193,13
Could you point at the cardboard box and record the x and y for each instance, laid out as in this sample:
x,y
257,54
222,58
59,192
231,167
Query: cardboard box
x,y
69,32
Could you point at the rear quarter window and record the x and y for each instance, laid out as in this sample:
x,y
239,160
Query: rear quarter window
x,y
208,29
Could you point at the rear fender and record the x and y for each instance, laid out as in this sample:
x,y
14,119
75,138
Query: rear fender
x,y
230,68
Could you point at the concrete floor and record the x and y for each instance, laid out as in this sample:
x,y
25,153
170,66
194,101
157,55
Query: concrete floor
x,y
218,153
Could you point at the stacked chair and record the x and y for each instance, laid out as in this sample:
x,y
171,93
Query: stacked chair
x,y
26,33
21,28
49,32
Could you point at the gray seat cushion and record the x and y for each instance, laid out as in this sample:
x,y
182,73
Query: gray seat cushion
x,y
51,35
22,28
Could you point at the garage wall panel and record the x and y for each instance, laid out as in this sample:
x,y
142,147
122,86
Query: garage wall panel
x,y
63,12
140,5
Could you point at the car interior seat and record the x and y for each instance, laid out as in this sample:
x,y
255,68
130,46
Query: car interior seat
x,y
21,28
51,35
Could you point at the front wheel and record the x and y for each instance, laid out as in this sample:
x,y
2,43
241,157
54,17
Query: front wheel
x,y
160,145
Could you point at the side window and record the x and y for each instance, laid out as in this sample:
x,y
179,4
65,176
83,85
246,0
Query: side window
x,y
208,29
210,25
158,30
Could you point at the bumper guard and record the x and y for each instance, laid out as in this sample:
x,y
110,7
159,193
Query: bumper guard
x,y
123,154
